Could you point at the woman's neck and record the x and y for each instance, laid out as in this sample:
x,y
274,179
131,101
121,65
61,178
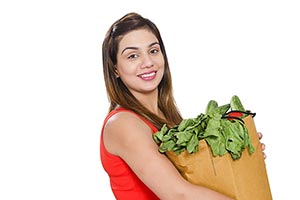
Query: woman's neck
x,y
150,101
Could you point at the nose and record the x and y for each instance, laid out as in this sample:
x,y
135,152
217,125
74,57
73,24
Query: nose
x,y
147,61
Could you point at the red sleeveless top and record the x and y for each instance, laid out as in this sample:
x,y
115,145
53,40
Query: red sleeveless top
x,y
124,183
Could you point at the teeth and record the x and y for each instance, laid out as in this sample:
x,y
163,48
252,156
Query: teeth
x,y
148,75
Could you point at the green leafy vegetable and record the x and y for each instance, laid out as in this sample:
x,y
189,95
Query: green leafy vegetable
x,y
236,103
212,104
222,132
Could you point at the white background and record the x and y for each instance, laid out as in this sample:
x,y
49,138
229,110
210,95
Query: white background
x,y
53,99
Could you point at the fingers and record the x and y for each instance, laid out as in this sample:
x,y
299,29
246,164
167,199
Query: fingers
x,y
260,135
263,147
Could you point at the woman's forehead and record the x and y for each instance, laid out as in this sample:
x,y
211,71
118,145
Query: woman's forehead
x,y
137,38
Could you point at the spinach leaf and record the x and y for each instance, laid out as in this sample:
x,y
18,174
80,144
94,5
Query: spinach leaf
x,y
221,134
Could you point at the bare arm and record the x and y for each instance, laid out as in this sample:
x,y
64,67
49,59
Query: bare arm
x,y
130,138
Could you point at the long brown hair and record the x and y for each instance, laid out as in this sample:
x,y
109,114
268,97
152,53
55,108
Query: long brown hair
x,y
117,92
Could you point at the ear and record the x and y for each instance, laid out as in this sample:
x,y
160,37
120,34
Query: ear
x,y
116,71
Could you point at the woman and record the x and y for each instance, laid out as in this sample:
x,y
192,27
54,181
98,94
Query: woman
x,y
139,88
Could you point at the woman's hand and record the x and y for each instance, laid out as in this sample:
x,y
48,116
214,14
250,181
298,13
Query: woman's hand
x,y
263,146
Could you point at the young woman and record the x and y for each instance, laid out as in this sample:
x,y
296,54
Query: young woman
x,y
139,88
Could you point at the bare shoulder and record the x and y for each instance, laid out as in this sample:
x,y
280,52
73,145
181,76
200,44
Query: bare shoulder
x,y
124,121
123,130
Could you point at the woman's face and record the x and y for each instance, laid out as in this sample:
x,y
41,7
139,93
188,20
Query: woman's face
x,y
140,62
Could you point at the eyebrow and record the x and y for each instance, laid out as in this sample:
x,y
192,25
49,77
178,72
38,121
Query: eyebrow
x,y
135,48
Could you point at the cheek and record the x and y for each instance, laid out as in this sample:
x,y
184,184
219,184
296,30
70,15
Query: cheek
x,y
127,71
159,61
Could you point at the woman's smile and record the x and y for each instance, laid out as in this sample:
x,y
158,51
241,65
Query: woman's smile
x,y
148,76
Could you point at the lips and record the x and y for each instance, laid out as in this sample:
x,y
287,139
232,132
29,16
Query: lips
x,y
148,76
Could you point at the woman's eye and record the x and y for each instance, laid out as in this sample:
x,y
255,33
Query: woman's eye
x,y
154,51
132,56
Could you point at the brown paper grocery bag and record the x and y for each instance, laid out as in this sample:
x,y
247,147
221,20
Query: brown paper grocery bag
x,y
242,179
